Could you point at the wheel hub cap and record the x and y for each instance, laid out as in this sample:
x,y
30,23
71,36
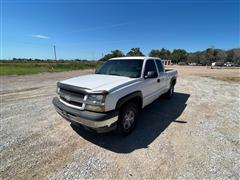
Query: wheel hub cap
x,y
128,119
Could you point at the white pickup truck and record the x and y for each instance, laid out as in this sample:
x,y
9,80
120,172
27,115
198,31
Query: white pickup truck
x,y
111,98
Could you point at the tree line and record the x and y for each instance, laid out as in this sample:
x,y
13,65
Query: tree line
x,y
35,60
181,56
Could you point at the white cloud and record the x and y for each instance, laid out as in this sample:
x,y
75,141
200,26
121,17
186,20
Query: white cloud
x,y
40,36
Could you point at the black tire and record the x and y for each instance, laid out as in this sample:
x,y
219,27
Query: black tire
x,y
170,92
127,119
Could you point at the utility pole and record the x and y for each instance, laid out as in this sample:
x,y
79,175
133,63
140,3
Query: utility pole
x,y
55,54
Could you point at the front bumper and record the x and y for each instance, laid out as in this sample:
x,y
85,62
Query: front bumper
x,y
93,120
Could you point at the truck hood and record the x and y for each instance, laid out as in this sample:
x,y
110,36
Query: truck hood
x,y
97,82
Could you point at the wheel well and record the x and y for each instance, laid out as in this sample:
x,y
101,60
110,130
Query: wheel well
x,y
173,82
137,100
134,97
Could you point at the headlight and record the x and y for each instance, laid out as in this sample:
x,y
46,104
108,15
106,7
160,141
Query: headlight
x,y
96,99
95,102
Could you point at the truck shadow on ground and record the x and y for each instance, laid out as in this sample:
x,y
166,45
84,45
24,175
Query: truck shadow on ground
x,y
153,120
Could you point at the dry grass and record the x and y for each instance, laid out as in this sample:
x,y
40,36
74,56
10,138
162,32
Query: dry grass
x,y
234,79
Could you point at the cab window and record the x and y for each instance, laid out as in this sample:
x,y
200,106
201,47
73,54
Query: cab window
x,y
160,66
150,66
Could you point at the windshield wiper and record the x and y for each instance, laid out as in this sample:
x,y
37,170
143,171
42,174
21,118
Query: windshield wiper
x,y
115,74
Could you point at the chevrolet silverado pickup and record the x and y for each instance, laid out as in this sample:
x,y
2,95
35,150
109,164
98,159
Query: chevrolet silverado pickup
x,y
111,98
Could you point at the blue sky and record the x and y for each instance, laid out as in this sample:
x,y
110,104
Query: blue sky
x,y
88,28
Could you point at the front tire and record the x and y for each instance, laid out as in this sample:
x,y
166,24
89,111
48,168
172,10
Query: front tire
x,y
127,119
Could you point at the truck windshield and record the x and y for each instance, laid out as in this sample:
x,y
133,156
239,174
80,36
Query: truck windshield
x,y
129,68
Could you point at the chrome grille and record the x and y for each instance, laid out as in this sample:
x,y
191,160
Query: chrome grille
x,y
72,98
72,102
71,93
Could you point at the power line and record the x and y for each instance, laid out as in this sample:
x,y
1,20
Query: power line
x,y
55,54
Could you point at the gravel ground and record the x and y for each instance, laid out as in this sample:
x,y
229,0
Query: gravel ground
x,y
194,135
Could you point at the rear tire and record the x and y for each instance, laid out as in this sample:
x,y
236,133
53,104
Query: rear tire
x,y
127,119
170,92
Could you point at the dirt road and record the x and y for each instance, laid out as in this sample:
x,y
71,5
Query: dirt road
x,y
193,135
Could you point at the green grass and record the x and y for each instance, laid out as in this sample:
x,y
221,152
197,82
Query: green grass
x,y
22,68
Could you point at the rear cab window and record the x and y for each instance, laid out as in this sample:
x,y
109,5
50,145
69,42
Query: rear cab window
x,y
159,65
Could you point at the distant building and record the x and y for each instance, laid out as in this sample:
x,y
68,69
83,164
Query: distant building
x,y
166,62
218,63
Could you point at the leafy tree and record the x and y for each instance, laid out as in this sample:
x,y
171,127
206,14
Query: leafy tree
x,y
197,57
165,54
220,55
202,59
179,55
230,55
115,53
135,52
154,53
209,55
236,56
205,57
192,58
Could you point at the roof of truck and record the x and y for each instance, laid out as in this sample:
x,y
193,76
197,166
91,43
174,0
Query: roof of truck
x,y
134,57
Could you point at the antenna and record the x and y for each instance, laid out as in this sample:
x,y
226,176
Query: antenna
x,y
55,54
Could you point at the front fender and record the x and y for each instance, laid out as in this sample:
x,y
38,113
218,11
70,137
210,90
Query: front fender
x,y
133,95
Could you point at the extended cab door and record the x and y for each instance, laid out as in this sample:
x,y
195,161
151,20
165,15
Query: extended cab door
x,y
162,76
151,82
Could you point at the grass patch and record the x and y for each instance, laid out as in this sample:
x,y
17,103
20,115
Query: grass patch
x,y
229,79
22,68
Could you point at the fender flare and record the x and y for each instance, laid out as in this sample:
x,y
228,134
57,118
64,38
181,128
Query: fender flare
x,y
133,95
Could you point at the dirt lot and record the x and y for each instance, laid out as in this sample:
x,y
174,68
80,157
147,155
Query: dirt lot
x,y
195,135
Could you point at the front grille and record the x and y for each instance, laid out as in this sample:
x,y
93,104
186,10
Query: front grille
x,y
72,102
70,97
71,93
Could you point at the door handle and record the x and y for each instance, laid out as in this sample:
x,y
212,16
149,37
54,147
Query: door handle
x,y
158,80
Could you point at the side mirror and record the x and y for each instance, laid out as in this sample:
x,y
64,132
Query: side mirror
x,y
151,74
